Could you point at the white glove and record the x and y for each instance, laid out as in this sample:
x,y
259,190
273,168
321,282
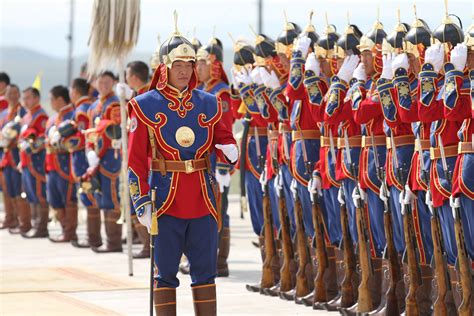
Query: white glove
x,y
123,90
312,63
348,67
340,196
359,73
459,56
255,75
358,195
382,196
400,61
145,219
454,202
302,45
278,184
243,77
270,80
429,201
435,56
409,196
51,131
92,159
233,75
230,151
55,138
223,180
294,187
387,72
314,186
263,179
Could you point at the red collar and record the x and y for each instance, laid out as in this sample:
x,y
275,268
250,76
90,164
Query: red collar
x,y
35,108
82,100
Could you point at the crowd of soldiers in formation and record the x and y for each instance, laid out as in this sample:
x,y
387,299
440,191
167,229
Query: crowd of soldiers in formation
x,y
356,159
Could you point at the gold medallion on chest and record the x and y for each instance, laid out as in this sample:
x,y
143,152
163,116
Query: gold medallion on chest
x,y
185,136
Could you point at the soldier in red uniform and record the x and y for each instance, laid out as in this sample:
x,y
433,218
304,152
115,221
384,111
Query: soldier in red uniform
x,y
4,82
32,164
211,73
173,129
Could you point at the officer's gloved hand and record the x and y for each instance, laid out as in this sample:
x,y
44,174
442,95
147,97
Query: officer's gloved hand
x,y
312,63
401,61
230,151
278,184
302,44
263,179
384,194
223,180
294,187
340,196
255,75
348,67
435,56
145,217
358,195
233,75
314,185
243,77
92,159
459,56
55,138
359,73
123,90
387,72
409,197
270,80
454,202
429,200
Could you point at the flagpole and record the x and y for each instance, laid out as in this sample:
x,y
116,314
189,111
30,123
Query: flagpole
x,y
70,39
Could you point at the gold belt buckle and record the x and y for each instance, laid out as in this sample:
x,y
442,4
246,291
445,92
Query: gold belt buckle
x,y
189,167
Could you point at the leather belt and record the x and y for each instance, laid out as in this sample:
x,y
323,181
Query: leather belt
x,y
449,151
400,140
325,141
380,140
354,141
305,134
465,148
424,143
272,135
261,131
283,128
186,166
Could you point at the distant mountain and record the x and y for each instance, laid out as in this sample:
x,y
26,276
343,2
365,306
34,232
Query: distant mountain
x,y
23,64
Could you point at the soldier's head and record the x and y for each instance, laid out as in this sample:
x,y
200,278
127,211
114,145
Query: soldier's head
x,y
137,74
12,94
59,97
105,83
79,88
209,61
30,97
4,81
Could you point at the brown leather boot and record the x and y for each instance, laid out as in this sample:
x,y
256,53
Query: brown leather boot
x,y
375,282
165,301
223,253
10,220
94,238
204,298
68,220
41,230
257,287
334,303
382,307
330,279
24,216
144,239
423,295
113,232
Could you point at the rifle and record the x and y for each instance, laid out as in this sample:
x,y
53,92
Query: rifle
x,y
269,278
348,293
243,164
463,262
411,249
443,281
303,284
365,298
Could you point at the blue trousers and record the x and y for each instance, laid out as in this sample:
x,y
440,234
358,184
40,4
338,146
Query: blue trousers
x,y
447,229
467,218
290,203
59,191
13,182
333,215
397,219
424,221
225,207
349,186
196,238
307,207
35,189
376,206
274,204
255,201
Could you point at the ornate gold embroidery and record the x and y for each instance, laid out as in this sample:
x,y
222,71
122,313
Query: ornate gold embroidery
x,y
404,90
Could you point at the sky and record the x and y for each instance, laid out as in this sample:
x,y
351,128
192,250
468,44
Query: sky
x,y
42,25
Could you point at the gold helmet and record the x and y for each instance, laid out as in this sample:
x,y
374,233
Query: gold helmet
x,y
177,47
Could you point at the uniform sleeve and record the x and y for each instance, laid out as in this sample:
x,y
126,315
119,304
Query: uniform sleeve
x,y
364,109
338,106
315,89
138,157
295,87
280,104
429,107
457,95
387,95
405,97
39,125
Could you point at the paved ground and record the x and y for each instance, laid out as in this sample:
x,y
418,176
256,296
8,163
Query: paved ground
x,y
53,270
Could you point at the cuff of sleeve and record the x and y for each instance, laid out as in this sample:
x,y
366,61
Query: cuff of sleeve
x,y
140,203
427,71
